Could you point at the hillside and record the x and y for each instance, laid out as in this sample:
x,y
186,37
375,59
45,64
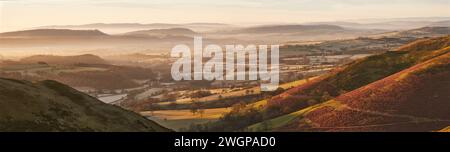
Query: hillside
x,y
446,129
289,29
420,32
445,23
117,28
392,103
363,72
51,106
109,25
391,24
164,32
65,60
54,33
415,99
347,78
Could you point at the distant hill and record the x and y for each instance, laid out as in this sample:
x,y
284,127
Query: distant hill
x,y
164,32
54,33
132,57
288,29
111,25
395,91
50,106
427,32
393,24
418,33
206,24
132,25
441,24
116,28
67,60
390,25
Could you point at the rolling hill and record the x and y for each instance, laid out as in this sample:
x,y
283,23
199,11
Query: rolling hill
x,y
116,28
419,32
390,24
427,32
164,32
49,106
415,99
445,23
357,74
110,25
288,29
408,93
64,60
366,71
54,33
282,108
279,109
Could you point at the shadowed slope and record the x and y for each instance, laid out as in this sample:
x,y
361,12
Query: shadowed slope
x,y
51,106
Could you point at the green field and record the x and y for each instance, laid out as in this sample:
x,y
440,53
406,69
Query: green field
x,y
285,119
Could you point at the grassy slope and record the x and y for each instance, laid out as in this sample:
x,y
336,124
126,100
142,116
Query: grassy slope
x,y
362,72
415,102
445,129
51,106
373,68
349,77
285,119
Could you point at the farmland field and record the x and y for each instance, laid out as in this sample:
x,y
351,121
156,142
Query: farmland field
x,y
239,93
178,119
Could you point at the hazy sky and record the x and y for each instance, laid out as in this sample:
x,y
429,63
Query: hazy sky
x,y
16,14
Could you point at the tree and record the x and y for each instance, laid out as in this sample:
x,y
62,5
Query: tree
x,y
173,105
201,112
195,106
312,102
278,91
326,96
342,92
200,94
169,97
194,110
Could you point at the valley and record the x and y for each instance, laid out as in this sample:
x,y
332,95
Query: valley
x,y
332,78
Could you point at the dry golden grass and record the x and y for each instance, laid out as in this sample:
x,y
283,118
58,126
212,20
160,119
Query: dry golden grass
x,y
445,129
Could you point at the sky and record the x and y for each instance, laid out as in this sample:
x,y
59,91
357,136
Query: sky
x,y
19,14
